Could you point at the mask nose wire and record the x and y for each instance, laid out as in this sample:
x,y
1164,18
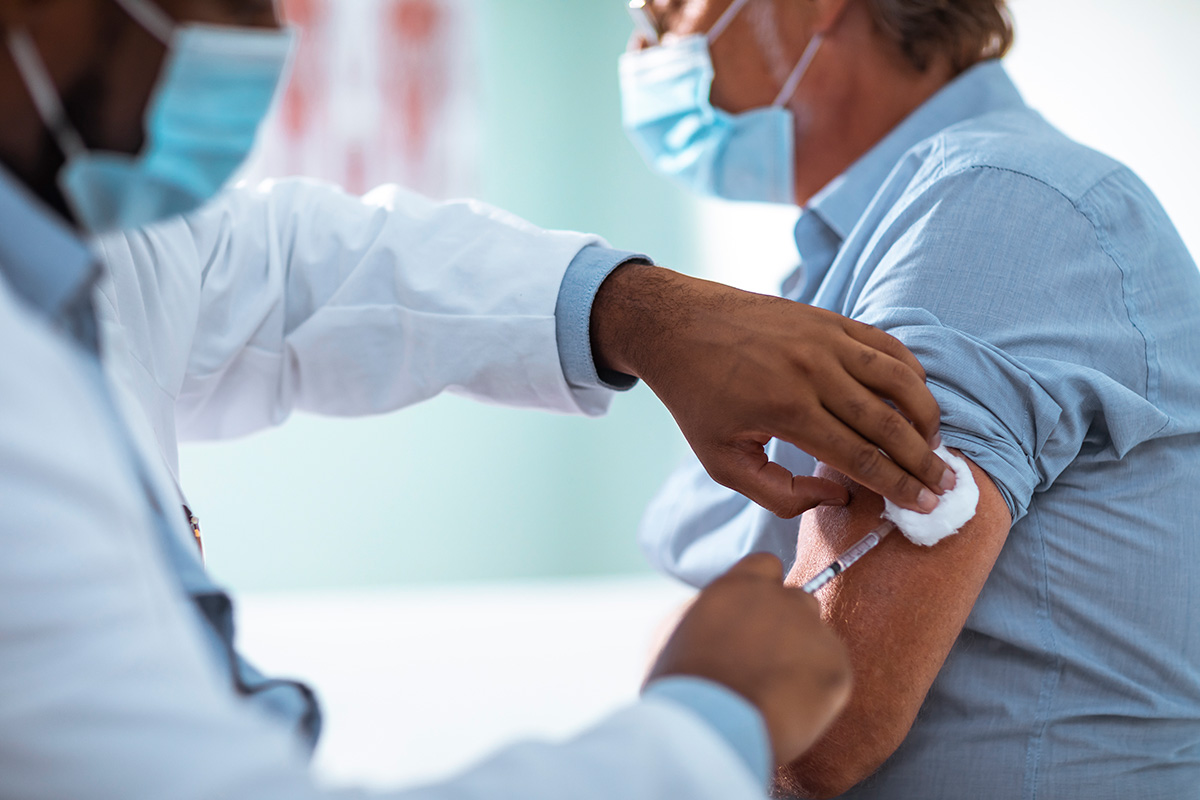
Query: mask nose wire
x,y
723,21
793,81
44,93
151,17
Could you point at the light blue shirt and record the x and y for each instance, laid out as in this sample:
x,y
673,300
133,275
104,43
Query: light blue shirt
x,y
1057,313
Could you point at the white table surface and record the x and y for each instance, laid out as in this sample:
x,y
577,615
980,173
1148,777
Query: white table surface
x,y
418,683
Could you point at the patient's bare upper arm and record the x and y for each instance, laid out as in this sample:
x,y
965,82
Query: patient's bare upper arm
x,y
899,611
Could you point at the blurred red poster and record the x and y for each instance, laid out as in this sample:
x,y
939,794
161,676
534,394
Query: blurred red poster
x,y
382,91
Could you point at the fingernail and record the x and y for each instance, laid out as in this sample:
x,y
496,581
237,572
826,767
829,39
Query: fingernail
x,y
935,442
927,501
949,480
836,502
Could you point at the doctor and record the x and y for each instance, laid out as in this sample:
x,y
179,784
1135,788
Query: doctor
x,y
117,672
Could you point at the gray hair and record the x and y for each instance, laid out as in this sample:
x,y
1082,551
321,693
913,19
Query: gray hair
x,y
966,31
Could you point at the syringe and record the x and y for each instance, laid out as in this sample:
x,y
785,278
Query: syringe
x,y
852,554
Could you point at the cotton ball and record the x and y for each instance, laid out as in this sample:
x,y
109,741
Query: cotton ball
x,y
956,508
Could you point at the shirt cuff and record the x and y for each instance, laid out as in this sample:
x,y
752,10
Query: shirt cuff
x,y
729,714
573,317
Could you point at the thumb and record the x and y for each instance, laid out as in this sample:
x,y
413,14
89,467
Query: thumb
x,y
760,566
772,485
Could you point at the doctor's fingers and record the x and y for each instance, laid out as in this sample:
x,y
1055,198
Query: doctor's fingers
x,y
886,428
745,468
886,366
894,381
832,441
884,342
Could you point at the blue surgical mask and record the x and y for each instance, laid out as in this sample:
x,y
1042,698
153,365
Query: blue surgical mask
x,y
216,87
670,118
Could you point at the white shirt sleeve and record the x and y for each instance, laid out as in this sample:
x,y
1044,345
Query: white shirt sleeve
x,y
297,296
106,690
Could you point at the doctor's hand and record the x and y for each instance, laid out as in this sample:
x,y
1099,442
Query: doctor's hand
x,y
751,634
737,369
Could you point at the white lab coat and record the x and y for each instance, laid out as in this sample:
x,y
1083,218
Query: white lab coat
x,y
294,297
297,296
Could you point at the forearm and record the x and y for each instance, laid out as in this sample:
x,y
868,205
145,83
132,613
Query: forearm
x,y
899,611
636,310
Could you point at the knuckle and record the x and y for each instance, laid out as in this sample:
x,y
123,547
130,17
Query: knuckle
x,y
807,366
797,412
722,475
903,374
905,486
866,461
720,470
856,408
892,427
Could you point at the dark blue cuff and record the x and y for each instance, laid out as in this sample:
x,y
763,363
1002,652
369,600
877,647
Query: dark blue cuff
x,y
729,714
573,317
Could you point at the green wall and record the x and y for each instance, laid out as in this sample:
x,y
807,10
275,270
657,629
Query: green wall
x,y
452,490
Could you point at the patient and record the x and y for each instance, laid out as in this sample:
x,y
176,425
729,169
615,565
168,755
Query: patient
x,y
1050,649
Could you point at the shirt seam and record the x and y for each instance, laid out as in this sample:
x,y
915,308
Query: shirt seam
x,y
1150,346
1033,754
1149,389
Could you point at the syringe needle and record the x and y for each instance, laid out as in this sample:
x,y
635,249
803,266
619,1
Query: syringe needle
x,y
847,558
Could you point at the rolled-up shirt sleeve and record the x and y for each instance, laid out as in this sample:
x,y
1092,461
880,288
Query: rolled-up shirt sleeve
x,y
1004,290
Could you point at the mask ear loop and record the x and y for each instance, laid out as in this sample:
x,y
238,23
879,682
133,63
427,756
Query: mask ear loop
x,y
160,24
44,93
793,81
723,21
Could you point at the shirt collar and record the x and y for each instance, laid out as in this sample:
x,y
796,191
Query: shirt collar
x,y
982,89
41,257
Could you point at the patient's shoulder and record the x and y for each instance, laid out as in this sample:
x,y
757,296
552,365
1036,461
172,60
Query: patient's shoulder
x,y
1013,192
1023,143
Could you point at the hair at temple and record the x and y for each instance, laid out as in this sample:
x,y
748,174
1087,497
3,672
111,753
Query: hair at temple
x,y
968,31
